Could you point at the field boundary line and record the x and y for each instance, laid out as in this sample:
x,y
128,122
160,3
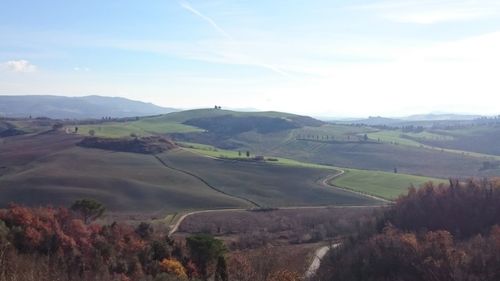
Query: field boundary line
x,y
328,182
324,182
206,183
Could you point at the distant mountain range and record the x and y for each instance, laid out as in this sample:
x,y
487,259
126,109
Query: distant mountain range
x,y
407,120
441,116
61,107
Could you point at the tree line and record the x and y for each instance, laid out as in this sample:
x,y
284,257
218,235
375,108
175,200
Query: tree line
x,y
49,243
446,232
69,244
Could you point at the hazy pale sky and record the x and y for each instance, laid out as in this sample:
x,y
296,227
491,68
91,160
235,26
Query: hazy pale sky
x,y
317,57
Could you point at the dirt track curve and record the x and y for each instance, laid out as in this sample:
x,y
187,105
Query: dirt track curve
x,y
319,253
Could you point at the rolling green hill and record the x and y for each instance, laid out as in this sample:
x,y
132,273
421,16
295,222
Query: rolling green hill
x,y
141,127
480,139
183,116
212,170
50,169
388,185
429,152
344,146
55,171
267,184
200,120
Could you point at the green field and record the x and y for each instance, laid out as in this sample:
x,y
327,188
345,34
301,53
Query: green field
x,y
50,169
183,116
422,140
202,175
139,128
406,138
211,151
164,124
381,184
328,144
266,184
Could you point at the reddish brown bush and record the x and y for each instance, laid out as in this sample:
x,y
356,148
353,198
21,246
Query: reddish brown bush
x,y
57,242
441,233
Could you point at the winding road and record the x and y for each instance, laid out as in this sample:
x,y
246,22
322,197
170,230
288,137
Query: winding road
x,y
325,182
319,253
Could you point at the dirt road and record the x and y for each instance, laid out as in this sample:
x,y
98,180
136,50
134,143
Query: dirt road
x,y
318,256
325,182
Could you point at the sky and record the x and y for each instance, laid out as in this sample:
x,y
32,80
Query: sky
x,y
342,58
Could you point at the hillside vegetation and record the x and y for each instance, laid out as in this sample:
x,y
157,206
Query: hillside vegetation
x,y
299,145
388,185
141,127
51,169
47,244
481,139
218,121
145,145
445,232
266,184
409,149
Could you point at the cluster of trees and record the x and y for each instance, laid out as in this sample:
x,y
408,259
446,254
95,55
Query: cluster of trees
x,y
434,233
314,137
144,145
489,165
49,243
363,138
412,129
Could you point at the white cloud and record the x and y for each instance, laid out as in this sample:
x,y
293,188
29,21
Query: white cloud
x,y
433,11
20,66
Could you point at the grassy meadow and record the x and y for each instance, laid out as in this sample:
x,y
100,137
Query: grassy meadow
x,y
381,184
268,185
202,175
55,171
139,128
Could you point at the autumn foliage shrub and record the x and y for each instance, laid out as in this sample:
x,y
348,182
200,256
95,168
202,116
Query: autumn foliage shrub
x,y
55,244
463,209
173,267
438,233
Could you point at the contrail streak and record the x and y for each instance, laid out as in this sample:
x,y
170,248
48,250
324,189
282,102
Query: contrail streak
x,y
190,8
